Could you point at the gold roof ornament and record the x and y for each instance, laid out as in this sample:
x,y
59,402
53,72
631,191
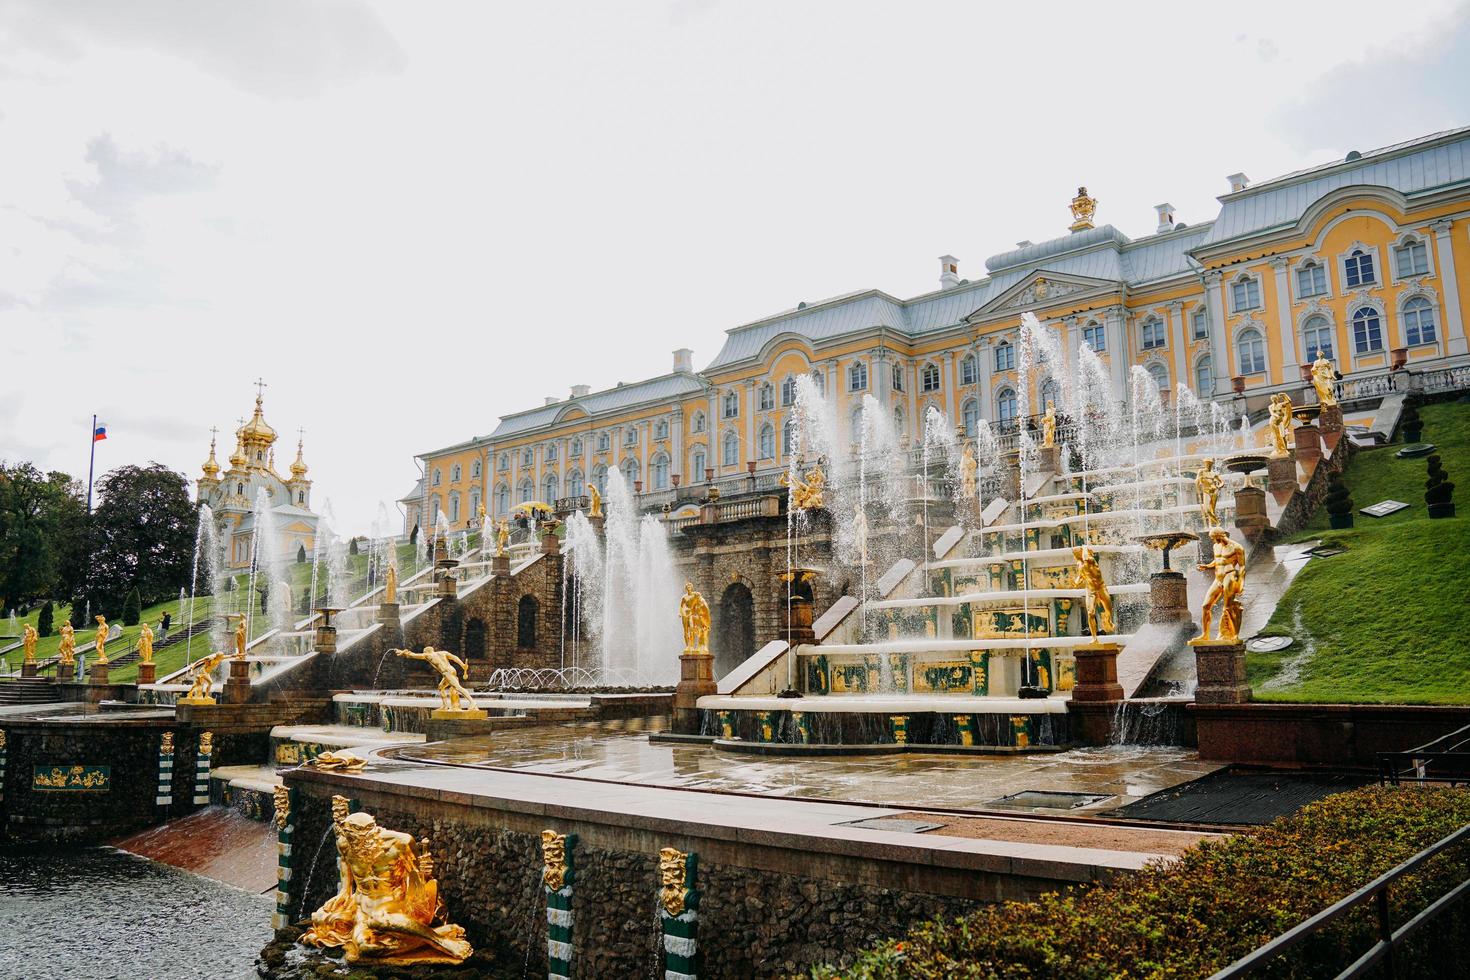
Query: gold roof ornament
x,y
298,467
211,465
1083,208
257,433
238,458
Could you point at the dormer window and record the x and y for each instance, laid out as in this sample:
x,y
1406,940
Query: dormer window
x,y
1358,269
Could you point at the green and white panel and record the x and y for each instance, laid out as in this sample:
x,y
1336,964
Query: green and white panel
x,y
201,771
284,831
681,932
165,794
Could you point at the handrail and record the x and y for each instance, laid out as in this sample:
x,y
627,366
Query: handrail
x,y
1388,937
1415,762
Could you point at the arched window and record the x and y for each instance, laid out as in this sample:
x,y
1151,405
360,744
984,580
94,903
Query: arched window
x,y
697,465
240,487
576,486
1095,337
788,392
661,429
929,378
1204,377
474,504
767,397
788,432
1160,374
857,424
970,416
898,425
502,500
549,488
658,472
767,442
599,477
455,473
1317,336
526,492
968,375
820,380
1151,333
526,611
632,473
434,509
1005,357
697,425
1245,293
1411,258
857,377
301,496
528,457
732,449
576,447
1367,330
1250,351
1201,320
475,469
1358,269
730,405
1005,405
1418,322
438,478
1311,279
1049,393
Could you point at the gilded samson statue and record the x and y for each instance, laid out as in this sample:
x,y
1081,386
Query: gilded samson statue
x,y
694,614
1229,567
1207,485
1099,603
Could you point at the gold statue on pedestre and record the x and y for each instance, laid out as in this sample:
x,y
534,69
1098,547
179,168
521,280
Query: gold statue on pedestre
x,y
99,641
387,907
1229,567
1099,602
1049,426
1279,427
1324,379
66,651
1207,485
694,614
455,699
200,681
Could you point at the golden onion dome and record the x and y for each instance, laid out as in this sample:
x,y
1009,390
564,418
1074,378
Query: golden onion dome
x,y
298,467
238,457
257,431
211,466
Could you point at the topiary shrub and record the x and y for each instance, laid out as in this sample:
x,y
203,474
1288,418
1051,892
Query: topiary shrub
x,y
1438,490
132,609
43,620
1339,503
1410,423
352,547
301,554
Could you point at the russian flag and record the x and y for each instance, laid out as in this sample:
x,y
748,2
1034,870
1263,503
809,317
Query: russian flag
x,y
100,432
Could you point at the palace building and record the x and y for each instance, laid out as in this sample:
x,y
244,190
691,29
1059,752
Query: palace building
x,y
1357,258
231,494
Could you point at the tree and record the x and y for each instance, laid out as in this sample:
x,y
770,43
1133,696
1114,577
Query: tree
x,y
132,610
1438,490
142,536
301,554
1339,503
352,547
42,520
43,620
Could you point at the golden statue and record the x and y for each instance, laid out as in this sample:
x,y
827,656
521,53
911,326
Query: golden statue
x,y
594,501
1049,426
1207,484
1229,566
339,762
144,646
28,640
99,641
694,613
1083,208
281,797
483,525
66,652
806,492
453,695
1324,379
502,538
1099,604
200,681
671,876
239,634
1279,427
387,907
554,857
969,473
390,584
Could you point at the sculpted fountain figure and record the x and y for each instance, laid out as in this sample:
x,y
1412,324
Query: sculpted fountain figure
x,y
28,641
387,907
1099,603
200,681
969,473
1324,379
860,533
502,538
594,501
1049,426
99,641
1229,568
239,635
1279,428
390,584
144,646
453,695
806,492
1207,484
694,614
66,652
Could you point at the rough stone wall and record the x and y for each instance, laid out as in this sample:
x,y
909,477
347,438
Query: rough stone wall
x,y
1304,503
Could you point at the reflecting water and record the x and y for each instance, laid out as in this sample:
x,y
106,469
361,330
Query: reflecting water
x,y
97,913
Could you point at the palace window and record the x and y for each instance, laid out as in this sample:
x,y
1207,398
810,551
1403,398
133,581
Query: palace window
x,y
301,496
767,442
528,457
1418,322
475,470
576,486
1311,280
929,378
576,447
1245,293
968,375
1317,336
631,472
502,500
1367,331
551,452
1411,258
857,424
658,470
1201,321
788,430
732,449
1160,374
1005,357
661,429
970,416
788,392
438,479
454,508
455,473
548,489
895,373
1005,405
474,503
767,398
857,377
731,404
1204,377
1152,333
697,464
604,442
527,492
630,436
1250,352
1095,337
1358,269
599,477
820,380
504,463
1048,393
697,425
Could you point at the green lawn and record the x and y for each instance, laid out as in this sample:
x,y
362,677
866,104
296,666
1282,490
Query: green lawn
x,y
1385,621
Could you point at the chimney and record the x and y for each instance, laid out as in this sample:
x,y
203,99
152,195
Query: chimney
x,y
580,391
683,361
1166,217
1238,182
552,399
1025,243
949,272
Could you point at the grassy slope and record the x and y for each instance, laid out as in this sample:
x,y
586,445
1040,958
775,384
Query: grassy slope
x,y
1385,621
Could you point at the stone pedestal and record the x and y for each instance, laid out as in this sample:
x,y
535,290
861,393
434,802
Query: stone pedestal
x,y
1010,475
1308,443
237,685
696,679
1220,668
1049,459
597,522
1168,596
550,544
1250,512
325,640
1281,473
30,669
97,673
458,714
148,673
66,673
1330,420
798,629
448,587
1097,673
389,614
500,566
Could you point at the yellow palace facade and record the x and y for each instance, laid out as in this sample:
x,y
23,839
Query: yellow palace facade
x,y
1365,259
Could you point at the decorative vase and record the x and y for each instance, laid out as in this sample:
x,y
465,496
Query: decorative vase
x,y
1237,384
1400,356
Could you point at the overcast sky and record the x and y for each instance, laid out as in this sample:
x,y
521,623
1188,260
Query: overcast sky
x,y
414,218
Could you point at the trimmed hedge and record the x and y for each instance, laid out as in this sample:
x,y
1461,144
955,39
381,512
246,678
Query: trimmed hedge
x,y
1217,902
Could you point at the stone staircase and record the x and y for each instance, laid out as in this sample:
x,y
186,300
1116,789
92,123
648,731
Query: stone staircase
x,y
28,690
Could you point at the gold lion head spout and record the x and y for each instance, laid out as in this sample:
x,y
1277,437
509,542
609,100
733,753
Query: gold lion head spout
x,y
672,867
554,855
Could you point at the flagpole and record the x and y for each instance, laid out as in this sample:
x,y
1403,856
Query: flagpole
x,y
91,463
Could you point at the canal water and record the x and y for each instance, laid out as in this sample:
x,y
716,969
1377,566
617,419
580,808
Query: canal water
x,y
98,914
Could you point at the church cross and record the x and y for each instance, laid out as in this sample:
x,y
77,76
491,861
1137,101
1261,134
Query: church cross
x,y
260,387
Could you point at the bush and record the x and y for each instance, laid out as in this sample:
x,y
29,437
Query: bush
x,y
1438,489
352,547
1216,903
1410,423
43,619
301,554
1339,503
79,607
132,609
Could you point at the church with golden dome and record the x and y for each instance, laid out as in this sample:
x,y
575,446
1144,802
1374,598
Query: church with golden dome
x,y
251,491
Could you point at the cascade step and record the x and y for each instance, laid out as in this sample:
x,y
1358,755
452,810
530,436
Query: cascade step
x,y
28,690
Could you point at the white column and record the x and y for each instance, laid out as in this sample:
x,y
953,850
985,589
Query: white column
x,y
1287,324
1176,340
1073,341
879,383
949,379
829,386
1117,351
985,363
1457,343
1219,352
